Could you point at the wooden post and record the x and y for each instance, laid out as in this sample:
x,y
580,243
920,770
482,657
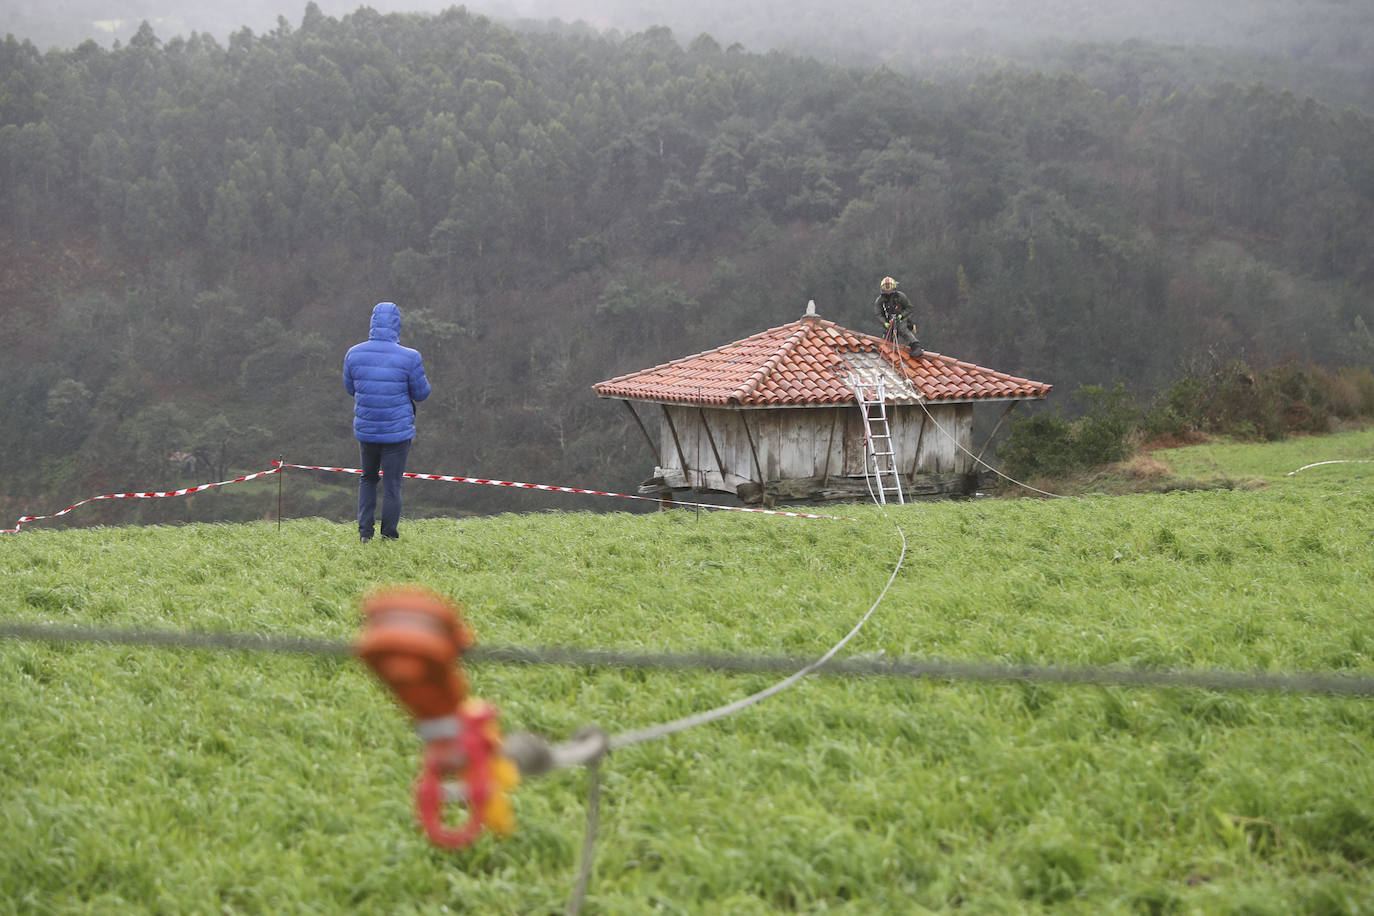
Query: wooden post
x,y
652,447
825,473
281,462
1005,414
686,466
920,437
758,468
720,465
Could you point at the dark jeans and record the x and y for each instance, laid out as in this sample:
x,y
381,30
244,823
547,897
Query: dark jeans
x,y
390,459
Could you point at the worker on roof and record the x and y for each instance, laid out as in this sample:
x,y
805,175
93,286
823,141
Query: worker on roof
x,y
894,310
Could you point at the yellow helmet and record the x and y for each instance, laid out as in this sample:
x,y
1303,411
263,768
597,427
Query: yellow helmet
x,y
888,285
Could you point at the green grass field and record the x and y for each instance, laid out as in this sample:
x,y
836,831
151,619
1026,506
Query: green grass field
x,y
154,780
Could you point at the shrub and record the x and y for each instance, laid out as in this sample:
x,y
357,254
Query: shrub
x,y
1039,445
1269,404
1100,436
1362,380
1177,412
1243,404
1302,396
1047,445
1349,392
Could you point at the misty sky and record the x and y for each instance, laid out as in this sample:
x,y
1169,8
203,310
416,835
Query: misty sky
x,y
808,25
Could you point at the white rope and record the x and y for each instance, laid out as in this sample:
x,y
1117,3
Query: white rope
x,y
1333,461
994,470
901,366
626,739
629,738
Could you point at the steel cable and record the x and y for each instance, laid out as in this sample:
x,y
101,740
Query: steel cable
x,y
903,668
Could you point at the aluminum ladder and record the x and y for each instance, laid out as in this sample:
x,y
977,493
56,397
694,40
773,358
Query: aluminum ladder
x,y
880,458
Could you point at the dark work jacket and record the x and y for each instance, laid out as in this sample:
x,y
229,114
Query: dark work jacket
x,y
893,305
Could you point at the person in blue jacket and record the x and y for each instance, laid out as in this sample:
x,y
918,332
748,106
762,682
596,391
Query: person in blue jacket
x,y
386,380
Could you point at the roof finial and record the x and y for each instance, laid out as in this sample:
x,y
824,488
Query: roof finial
x,y
810,309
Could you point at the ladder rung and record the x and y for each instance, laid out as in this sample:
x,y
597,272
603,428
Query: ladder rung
x,y
881,463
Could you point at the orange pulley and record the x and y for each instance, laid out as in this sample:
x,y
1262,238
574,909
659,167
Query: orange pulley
x,y
413,640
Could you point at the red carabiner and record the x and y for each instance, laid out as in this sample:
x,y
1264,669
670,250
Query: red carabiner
x,y
469,757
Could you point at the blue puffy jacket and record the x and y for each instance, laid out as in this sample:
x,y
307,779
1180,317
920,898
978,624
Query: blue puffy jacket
x,y
385,379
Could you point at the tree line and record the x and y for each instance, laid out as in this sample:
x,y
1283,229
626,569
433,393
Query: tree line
x,y
194,231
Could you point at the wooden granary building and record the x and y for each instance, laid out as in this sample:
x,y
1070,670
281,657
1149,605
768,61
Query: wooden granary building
x,y
775,416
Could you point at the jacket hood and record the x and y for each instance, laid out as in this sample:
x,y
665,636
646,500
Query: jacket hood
x,y
386,322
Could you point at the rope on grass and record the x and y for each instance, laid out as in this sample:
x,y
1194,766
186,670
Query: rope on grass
x,y
1333,461
626,739
599,749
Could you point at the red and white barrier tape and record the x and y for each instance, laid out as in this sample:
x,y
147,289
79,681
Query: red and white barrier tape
x,y
158,494
278,467
556,489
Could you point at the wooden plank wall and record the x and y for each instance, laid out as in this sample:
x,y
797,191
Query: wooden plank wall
x,y
793,443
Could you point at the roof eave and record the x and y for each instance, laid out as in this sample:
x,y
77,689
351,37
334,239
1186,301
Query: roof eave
x,y
896,402
996,400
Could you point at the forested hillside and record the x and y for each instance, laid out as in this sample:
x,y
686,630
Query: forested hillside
x,y
193,232
1317,47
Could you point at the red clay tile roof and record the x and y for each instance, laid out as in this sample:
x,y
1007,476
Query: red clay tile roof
x,y
805,364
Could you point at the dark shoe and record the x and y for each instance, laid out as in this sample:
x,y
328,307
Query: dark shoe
x,y
391,537
917,351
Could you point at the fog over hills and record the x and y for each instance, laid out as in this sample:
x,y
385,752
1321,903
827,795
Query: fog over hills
x,y
1320,47
1279,26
